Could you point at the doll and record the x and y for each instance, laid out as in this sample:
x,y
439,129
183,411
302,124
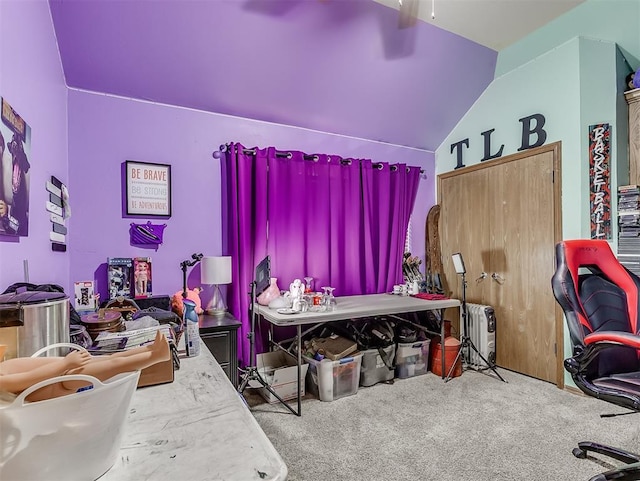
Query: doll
x,y
142,278
18,374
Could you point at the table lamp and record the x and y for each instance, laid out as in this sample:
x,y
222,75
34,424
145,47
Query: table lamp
x,y
215,271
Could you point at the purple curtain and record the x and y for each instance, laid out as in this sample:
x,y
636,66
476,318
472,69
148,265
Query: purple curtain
x,y
341,221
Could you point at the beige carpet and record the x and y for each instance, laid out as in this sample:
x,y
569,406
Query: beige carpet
x,y
473,428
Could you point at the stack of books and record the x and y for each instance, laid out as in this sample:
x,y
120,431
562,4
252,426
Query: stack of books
x,y
629,227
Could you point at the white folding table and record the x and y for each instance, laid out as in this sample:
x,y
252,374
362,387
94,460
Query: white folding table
x,y
352,307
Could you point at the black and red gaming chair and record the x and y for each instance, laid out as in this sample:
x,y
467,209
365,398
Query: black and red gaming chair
x,y
601,301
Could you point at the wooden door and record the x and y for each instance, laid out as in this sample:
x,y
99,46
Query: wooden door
x,y
462,232
504,216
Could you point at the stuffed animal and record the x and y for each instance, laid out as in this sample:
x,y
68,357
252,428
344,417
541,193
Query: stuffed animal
x,y
633,80
192,294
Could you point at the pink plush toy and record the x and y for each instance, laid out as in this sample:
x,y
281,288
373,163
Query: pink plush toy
x,y
192,294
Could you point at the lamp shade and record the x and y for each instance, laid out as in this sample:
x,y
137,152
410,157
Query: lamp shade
x,y
215,270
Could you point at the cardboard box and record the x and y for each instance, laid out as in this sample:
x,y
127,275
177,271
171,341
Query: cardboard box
x,y
159,373
107,342
280,371
335,347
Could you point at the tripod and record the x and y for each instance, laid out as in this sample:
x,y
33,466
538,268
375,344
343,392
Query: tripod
x,y
466,344
251,373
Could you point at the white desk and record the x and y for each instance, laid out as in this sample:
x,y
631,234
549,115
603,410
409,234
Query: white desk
x,y
196,428
354,307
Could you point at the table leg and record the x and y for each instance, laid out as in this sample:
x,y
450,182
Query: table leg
x,y
442,349
300,380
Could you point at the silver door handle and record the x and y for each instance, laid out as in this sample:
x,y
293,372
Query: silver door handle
x,y
498,278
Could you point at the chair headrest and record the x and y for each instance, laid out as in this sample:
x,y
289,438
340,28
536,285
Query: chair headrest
x,y
596,255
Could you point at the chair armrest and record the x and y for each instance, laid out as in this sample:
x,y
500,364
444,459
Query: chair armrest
x,y
613,337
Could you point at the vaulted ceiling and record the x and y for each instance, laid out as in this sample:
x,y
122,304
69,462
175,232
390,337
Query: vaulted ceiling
x,y
338,66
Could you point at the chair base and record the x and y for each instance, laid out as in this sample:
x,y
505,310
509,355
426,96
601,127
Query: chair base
x,y
630,472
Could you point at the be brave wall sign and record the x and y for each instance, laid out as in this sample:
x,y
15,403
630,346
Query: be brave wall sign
x,y
148,189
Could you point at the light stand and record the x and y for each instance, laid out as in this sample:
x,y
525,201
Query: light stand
x,y
466,344
195,258
183,265
250,372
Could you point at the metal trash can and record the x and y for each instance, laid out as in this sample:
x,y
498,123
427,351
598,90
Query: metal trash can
x,y
31,320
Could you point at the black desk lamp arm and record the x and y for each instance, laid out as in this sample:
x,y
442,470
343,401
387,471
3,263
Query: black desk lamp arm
x,y
183,265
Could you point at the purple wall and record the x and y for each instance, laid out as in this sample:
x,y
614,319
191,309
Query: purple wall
x,y
105,131
334,66
32,81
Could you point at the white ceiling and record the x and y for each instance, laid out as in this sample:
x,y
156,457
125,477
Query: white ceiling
x,y
493,23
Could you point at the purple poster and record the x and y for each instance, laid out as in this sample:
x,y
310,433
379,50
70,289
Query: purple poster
x,y
15,150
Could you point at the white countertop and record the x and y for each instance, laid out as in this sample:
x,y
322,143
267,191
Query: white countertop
x,y
352,307
196,428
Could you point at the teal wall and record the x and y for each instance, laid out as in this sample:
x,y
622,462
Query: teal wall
x,y
613,20
549,85
598,94
572,72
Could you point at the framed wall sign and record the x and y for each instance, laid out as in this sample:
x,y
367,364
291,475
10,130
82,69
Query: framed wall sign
x,y
148,189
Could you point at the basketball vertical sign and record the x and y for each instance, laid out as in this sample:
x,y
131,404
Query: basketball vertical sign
x,y
600,180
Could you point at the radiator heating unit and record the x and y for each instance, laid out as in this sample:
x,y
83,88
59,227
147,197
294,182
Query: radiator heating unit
x,y
481,330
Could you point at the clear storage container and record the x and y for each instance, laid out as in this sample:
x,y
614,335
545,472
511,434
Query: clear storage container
x,y
331,380
412,359
374,368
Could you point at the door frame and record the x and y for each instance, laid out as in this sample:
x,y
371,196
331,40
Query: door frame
x,y
556,149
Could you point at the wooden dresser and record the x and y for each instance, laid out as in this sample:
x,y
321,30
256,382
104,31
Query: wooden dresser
x,y
633,100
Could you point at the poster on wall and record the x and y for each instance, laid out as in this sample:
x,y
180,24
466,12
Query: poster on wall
x,y
599,180
148,189
15,150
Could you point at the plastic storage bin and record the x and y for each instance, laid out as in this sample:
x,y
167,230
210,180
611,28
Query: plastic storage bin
x,y
373,369
73,437
412,359
331,380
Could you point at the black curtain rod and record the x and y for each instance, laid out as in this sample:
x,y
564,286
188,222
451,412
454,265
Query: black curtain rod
x,y
313,157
